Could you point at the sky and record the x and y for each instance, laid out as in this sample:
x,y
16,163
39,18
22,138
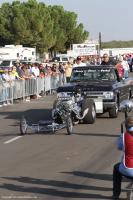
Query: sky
x,y
113,18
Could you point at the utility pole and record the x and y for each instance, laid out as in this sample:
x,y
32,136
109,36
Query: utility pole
x,y
100,43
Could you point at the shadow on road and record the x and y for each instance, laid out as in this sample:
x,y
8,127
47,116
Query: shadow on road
x,y
62,184
106,177
97,134
57,191
8,135
32,114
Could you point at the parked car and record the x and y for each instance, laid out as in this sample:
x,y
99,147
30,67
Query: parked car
x,y
62,59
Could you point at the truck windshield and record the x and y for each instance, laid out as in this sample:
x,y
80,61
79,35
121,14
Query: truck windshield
x,y
93,75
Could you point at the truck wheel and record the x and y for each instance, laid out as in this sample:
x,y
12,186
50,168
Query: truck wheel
x,y
113,112
23,126
90,117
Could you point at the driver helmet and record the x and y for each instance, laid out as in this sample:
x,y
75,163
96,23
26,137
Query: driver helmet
x,y
129,123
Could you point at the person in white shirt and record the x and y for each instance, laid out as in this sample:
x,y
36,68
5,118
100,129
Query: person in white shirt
x,y
79,62
35,70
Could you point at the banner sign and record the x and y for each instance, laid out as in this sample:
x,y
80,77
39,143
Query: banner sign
x,y
84,49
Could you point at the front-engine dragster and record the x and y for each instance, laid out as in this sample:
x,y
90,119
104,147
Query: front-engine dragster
x,y
68,110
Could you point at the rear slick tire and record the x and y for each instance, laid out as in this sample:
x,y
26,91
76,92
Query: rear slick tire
x,y
91,115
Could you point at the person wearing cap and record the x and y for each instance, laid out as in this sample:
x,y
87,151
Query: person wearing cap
x,y
125,167
79,62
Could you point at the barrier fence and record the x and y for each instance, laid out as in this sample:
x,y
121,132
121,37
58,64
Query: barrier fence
x,y
25,88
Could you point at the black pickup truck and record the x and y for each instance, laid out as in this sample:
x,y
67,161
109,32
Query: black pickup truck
x,y
102,84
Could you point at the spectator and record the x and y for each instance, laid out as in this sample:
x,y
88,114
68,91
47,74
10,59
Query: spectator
x,y
42,70
30,68
129,60
20,71
61,68
125,66
11,78
5,76
62,73
107,61
6,80
78,62
54,69
47,70
35,70
98,60
55,77
26,72
120,69
68,71
15,73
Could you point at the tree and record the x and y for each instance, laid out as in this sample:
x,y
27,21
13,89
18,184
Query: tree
x,y
60,38
6,36
33,24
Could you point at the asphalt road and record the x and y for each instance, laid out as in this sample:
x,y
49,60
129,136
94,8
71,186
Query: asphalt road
x,y
56,166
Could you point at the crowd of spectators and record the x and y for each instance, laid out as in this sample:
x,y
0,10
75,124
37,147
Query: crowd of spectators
x,y
61,70
32,70
120,62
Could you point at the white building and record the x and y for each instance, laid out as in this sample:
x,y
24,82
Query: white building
x,y
117,51
17,52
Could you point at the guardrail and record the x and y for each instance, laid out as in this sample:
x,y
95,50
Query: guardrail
x,y
25,88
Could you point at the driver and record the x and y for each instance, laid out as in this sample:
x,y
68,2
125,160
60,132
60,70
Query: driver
x,y
125,167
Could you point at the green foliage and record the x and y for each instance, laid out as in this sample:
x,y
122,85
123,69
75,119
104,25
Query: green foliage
x,y
32,23
117,44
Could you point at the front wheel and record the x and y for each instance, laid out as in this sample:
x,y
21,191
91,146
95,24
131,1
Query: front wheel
x,y
69,125
23,126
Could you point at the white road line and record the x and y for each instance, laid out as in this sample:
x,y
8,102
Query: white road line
x,y
13,139
19,197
